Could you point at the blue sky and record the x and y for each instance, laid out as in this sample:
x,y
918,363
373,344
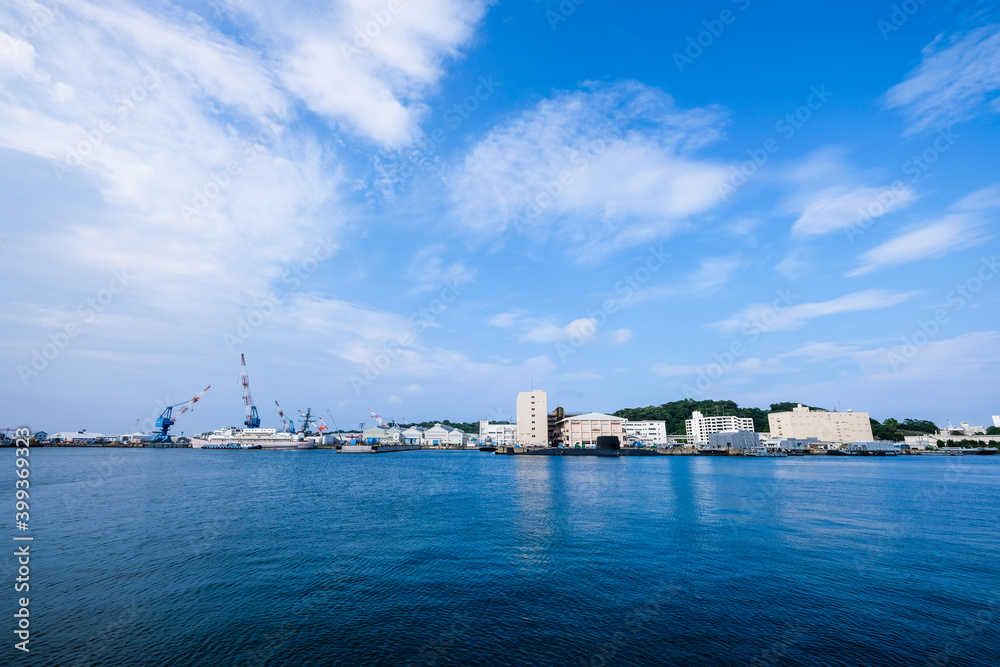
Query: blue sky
x,y
621,203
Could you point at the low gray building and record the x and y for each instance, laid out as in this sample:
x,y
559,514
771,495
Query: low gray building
x,y
734,440
873,448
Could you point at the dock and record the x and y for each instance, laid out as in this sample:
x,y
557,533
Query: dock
x,y
377,449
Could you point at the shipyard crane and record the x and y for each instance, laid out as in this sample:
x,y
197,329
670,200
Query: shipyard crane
x,y
343,438
287,424
333,420
252,420
381,422
166,419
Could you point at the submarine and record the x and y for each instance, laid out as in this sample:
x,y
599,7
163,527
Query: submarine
x,y
607,445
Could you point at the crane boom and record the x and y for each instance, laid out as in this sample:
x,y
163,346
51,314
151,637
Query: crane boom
x,y
381,422
166,419
252,419
190,404
286,423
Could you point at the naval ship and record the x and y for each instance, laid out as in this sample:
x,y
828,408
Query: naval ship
x,y
267,438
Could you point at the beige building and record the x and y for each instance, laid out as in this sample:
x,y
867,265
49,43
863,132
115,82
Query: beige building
x,y
584,429
699,427
802,422
533,418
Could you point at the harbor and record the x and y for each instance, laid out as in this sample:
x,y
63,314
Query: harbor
x,y
787,430
679,544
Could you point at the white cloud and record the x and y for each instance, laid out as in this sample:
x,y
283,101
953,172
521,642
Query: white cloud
x,y
160,107
17,57
953,83
153,105
363,66
966,356
427,270
578,376
830,194
712,273
603,167
792,266
973,355
822,352
621,336
583,328
535,330
835,208
980,200
751,366
951,233
506,320
769,318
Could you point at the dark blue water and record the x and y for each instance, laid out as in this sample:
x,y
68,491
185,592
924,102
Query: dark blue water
x,y
187,557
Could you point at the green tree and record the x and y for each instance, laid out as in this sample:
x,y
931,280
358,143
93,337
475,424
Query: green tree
x,y
993,430
919,426
887,430
676,412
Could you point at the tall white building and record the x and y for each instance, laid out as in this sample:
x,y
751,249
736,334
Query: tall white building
x,y
533,418
996,420
502,435
647,432
972,430
802,422
699,427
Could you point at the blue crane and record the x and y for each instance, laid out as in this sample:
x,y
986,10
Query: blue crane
x,y
166,420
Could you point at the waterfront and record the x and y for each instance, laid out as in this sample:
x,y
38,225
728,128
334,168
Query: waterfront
x,y
150,557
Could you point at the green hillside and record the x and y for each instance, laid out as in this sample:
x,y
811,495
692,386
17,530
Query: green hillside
x,y
675,412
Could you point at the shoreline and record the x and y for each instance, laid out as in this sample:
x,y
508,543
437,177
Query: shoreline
x,y
518,451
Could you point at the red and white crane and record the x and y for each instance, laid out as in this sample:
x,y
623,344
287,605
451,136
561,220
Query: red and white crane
x,y
190,404
252,419
166,419
287,425
381,422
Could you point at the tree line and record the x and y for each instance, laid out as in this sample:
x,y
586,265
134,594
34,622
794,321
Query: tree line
x,y
676,412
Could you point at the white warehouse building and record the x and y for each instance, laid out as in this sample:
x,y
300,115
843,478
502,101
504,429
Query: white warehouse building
x,y
699,427
439,434
647,432
502,435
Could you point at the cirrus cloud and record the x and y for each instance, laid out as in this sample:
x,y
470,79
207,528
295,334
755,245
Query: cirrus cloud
x,y
605,166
